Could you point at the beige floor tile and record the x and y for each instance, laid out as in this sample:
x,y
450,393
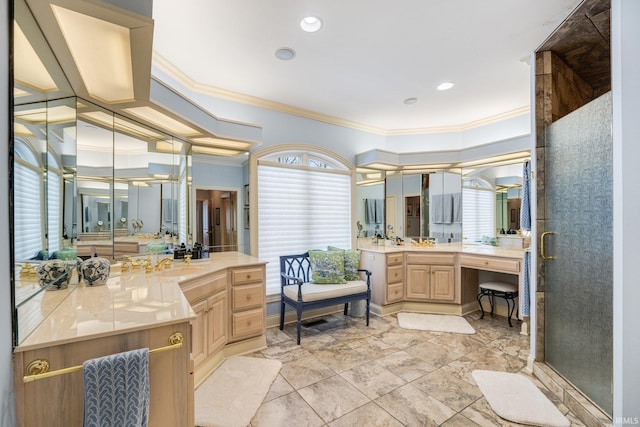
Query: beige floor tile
x,y
405,366
287,410
459,421
333,397
369,415
280,387
481,413
304,371
434,354
372,379
413,408
341,357
275,336
448,389
388,376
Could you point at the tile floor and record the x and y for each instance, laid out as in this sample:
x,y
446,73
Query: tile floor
x,y
345,374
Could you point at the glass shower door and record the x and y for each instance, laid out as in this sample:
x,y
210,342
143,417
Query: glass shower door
x,y
579,277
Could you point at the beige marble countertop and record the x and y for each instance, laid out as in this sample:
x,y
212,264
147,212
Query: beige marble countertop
x,y
471,249
129,301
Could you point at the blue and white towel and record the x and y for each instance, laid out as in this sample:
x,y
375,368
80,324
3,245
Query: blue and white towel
x,y
526,285
116,390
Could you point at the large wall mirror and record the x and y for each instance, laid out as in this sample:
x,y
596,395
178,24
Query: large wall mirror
x,y
86,180
424,205
89,181
474,203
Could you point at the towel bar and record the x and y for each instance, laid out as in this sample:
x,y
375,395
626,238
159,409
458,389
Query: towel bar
x,y
39,368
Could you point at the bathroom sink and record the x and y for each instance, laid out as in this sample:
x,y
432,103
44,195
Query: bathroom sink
x,y
180,271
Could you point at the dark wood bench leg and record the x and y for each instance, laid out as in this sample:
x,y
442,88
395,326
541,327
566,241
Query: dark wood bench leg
x,y
299,315
346,308
281,315
367,314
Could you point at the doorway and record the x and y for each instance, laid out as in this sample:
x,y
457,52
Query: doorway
x,y
216,219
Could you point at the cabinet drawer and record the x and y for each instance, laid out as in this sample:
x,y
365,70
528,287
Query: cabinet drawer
x,y
247,275
431,259
394,293
199,288
395,274
488,263
247,323
394,259
248,296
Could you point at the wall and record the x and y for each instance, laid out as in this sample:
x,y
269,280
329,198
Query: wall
x,y
283,128
625,45
7,415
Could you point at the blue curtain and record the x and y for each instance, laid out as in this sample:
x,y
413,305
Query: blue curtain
x,y
525,207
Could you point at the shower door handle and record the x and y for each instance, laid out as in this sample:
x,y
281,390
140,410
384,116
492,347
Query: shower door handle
x,y
542,250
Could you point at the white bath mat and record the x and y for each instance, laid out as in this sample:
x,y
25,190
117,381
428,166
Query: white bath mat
x,y
231,396
435,322
515,398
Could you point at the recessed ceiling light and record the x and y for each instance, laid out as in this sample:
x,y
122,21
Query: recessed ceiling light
x,y
311,24
285,53
445,86
410,101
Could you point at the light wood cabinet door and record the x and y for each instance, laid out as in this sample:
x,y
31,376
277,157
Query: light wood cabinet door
x,y
199,332
442,283
418,282
217,322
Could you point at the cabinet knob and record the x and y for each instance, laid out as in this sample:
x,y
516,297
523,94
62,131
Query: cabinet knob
x,y
248,297
249,323
248,276
486,263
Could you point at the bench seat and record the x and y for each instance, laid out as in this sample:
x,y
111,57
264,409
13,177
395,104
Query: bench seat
x,y
313,292
296,291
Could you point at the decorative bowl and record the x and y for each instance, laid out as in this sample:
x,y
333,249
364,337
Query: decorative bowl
x,y
95,271
54,274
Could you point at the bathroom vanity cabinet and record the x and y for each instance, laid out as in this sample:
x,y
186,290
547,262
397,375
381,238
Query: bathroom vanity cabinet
x,y
207,295
229,306
59,400
430,277
217,306
440,279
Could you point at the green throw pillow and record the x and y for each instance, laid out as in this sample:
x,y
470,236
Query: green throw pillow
x,y
351,262
327,267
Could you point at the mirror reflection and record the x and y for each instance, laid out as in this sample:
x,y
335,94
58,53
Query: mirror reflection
x,y
479,204
91,183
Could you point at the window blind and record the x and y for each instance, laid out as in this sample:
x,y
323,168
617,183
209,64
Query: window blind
x,y
298,210
28,217
54,211
478,213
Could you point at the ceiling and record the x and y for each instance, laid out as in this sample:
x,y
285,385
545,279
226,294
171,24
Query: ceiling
x,y
368,57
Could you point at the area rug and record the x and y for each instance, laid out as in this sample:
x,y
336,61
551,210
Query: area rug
x,y
435,322
231,396
515,398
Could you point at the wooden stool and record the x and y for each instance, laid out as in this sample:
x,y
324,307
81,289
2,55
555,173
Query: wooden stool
x,y
492,290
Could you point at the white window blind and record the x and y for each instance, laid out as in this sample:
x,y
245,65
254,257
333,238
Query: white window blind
x,y
182,205
28,217
54,210
298,210
478,213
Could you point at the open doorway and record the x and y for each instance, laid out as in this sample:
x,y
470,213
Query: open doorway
x,y
216,218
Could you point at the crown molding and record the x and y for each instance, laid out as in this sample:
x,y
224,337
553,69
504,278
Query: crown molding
x,y
179,76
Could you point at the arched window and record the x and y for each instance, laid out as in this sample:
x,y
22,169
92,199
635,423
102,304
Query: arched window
x,y
304,202
28,202
478,209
